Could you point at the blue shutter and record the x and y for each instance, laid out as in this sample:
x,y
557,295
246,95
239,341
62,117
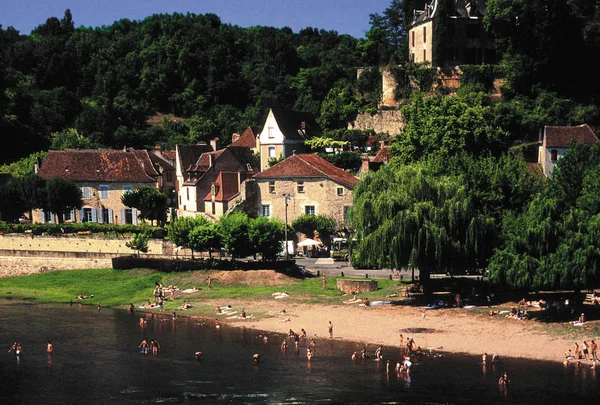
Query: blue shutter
x,y
134,218
100,216
94,217
81,217
86,192
42,216
52,217
122,216
110,217
73,215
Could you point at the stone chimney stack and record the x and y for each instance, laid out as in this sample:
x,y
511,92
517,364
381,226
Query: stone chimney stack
x,y
214,143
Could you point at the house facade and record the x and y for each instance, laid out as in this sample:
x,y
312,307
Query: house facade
x,y
216,181
283,133
464,40
164,164
103,176
312,186
556,140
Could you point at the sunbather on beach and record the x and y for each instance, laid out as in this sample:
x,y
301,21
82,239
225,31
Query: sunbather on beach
x,y
185,306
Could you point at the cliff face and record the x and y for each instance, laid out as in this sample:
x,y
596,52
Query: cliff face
x,y
388,121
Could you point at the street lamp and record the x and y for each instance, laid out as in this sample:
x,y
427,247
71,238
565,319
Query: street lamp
x,y
287,200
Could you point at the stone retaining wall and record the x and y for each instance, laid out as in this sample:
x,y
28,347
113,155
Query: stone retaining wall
x,y
73,243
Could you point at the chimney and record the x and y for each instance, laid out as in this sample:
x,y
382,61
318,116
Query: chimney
x,y
541,136
303,125
294,153
214,143
36,166
235,137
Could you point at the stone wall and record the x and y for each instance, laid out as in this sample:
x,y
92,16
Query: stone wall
x,y
389,121
350,286
73,244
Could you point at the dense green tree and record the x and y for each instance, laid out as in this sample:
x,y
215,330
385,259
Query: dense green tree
x,y
407,216
266,235
69,139
139,243
63,195
554,244
351,161
204,236
308,224
233,230
180,229
151,203
447,126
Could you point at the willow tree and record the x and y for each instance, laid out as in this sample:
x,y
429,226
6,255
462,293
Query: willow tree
x,y
408,216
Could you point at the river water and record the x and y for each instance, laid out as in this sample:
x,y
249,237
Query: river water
x,y
96,361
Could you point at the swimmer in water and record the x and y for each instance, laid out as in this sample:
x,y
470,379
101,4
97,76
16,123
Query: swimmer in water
x,y
354,356
13,347
49,348
143,346
503,381
309,353
154,346
197,355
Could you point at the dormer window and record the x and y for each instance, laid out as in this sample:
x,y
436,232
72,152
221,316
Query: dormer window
x,y
554,155
248,167
271,133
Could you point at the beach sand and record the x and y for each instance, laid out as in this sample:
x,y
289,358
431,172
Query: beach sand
x,y
449,330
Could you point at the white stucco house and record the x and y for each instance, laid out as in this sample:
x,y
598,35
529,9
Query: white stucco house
x,y
283,133
556,141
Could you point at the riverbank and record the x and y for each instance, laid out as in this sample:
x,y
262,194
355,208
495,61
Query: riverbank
x,y
308,306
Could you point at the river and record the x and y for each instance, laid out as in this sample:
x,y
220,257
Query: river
x,y
96,361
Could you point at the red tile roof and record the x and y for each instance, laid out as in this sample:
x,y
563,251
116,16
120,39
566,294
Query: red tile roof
x,y
226,187
205,161
560,137
96,165
144,158
247,139
383,155
308,165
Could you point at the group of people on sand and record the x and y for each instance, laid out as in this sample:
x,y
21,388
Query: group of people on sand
x,y
584,352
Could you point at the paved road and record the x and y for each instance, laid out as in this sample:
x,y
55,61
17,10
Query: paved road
x,y
329,267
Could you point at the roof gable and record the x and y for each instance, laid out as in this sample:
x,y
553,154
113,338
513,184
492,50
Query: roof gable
x,y
560,137
296,124
189,154
308,165
92,165
247,139
225,187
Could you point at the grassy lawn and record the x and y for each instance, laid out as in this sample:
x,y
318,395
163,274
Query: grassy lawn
x,y
119,288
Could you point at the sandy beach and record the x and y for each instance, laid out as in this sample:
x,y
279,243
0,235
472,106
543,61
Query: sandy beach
x,y
448,330
457,330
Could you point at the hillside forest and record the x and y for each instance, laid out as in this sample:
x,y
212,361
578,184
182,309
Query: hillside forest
x,y
461,192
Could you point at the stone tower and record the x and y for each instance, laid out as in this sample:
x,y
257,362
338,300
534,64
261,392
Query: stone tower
x,y
389,81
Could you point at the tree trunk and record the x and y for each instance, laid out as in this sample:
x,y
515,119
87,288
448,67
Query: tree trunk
x,y
425,280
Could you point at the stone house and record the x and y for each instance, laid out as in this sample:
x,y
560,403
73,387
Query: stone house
x,y
164,164
104,176
283,133
313,185
465,39
555,142
216,181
